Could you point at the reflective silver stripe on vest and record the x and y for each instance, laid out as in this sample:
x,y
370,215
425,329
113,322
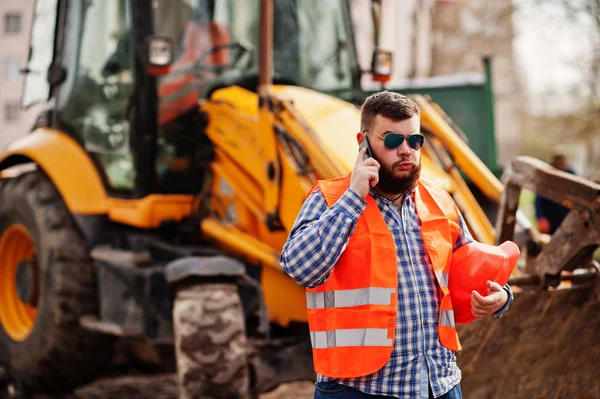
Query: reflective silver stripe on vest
x,y
447,318
350,337
347,298
442,278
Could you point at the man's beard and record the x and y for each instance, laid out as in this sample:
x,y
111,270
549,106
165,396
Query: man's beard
x,y
390,184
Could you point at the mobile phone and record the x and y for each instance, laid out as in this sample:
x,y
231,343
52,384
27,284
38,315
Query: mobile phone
x,y
365,143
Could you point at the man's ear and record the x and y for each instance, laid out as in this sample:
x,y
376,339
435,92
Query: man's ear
x,y
359,137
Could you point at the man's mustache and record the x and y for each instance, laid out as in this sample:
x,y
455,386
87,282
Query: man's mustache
x,y
397,163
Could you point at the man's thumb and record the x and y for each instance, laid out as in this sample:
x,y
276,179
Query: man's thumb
x,y
492,287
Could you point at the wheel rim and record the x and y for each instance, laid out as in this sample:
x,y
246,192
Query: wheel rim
x,y
16,316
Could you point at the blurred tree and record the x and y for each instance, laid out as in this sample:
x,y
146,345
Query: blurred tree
x,y
583,20
587,126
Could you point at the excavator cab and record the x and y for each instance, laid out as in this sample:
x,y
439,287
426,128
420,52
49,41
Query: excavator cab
x,y
126,114
149,203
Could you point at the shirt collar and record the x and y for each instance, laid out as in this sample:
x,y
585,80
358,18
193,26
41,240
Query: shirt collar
x,y
380,197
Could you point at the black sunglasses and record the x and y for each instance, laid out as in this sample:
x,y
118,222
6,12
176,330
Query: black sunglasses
x,y
392,140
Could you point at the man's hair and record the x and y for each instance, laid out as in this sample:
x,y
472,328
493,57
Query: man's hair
x,y
394,106
556,158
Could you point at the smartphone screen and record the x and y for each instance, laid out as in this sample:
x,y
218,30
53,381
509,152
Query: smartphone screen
x,y
363,144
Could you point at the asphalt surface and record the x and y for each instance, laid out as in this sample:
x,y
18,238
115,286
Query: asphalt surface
x,y
162,386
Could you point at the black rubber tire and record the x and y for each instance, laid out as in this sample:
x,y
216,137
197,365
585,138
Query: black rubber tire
x,y
58,354
210,342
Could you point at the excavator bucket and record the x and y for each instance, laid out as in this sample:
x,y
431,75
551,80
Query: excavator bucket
x,y
546,345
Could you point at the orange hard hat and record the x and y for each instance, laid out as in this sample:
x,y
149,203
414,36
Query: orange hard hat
x,y
472,266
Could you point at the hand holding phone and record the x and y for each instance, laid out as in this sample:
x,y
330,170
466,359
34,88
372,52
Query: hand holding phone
x,y
366,170
365,144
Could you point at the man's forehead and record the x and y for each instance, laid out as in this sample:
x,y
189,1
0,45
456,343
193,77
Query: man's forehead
x,y
410,125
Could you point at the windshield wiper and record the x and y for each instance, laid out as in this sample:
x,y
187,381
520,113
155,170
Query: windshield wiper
x,y
339,73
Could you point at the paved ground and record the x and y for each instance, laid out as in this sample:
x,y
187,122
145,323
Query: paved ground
x,y
294,390
156,387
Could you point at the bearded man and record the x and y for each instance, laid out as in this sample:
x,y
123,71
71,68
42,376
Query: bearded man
x,y
372,249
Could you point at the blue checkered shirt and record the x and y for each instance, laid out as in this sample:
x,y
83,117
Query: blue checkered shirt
x,y
418,359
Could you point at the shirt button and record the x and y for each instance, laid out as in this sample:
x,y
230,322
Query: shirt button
x,y
421,289
425,322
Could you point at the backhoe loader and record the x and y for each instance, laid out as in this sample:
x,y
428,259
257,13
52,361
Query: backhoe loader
x,y
149,203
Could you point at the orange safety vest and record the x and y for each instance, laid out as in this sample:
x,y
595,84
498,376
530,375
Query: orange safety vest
x,y
352,316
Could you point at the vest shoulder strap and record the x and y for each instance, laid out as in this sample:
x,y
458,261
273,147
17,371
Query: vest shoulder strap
x,y
332,189
442,199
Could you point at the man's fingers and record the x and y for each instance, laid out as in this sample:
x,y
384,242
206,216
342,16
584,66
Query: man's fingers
x,y
478,298
493,286
371,162
482,302
479,313
374,179
479,310
361,156
368,162
484,306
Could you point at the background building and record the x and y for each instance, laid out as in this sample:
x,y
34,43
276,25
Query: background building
x,y
464,32
435,38
15,24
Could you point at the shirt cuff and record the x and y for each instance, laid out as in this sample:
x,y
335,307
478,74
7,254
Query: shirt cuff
x,y
504,308
351,204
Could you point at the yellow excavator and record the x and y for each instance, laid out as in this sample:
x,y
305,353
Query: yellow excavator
x,y
147,207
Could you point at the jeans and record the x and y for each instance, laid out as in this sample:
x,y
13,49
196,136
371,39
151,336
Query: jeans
x,y
333,390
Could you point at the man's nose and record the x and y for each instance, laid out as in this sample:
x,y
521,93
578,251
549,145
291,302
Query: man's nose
x,y
404,148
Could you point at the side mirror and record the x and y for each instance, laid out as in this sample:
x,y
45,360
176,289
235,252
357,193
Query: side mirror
x,y
159,55
381,65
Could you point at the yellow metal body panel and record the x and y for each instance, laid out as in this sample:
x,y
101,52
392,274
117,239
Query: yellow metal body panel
x,y
434,172
67,165
470,164
285,299
77,180
452,181
150,211
465,158
333,123
294,189
329,129
476,219
242,196
240,169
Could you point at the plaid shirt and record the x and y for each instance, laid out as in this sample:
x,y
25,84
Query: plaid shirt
x,y
316,242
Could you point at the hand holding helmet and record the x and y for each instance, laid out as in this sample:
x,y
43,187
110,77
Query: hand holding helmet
x,y
484,269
